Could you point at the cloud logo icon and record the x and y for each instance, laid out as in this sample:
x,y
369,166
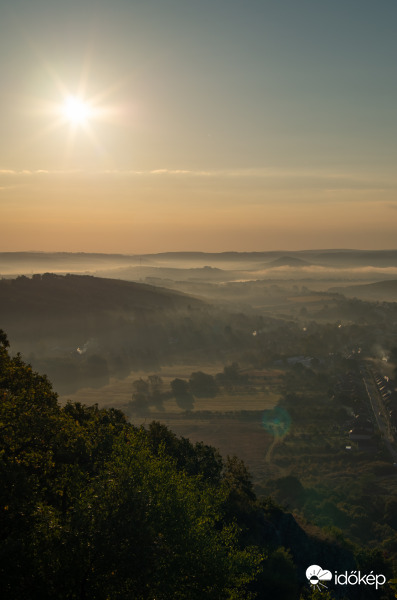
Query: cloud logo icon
x,y
316,575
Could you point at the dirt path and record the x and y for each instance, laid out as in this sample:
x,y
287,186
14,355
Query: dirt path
x,y
268,455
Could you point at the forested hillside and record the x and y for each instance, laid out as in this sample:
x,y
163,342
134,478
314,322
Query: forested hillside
x,y
54,295
95,508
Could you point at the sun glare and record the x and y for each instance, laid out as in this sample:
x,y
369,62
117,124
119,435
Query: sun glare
x,y
76,110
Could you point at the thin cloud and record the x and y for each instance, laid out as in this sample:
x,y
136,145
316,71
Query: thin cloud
x,y
331,182
327,182
23,172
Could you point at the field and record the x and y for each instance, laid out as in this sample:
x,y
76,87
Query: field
x,y
231,434
119,392
231,421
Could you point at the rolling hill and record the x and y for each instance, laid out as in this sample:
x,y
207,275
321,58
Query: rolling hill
x,y
379,291
60,295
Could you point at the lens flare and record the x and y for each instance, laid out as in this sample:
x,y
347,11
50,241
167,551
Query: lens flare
x,y
276,421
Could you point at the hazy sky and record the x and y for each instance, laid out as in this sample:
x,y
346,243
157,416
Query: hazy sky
x,y
209,125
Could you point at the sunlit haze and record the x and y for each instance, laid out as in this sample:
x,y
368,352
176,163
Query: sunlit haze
x,y
162,126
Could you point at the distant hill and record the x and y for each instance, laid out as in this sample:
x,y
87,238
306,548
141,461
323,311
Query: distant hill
x,y
136,273
27,263
289,261
329,257
82,330
352,258
61,295
380,291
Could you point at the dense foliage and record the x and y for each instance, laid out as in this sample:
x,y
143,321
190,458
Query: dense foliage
x,y
92,507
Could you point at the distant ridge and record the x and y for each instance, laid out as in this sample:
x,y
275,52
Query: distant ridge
x,y
380,290
289,261
58,295
27,263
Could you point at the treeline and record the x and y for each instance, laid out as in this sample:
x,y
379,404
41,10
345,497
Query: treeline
x,y
150,391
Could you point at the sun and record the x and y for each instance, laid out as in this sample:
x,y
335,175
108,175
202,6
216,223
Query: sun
x,y
76,110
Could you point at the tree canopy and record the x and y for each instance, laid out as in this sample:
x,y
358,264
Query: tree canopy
x,y
92,507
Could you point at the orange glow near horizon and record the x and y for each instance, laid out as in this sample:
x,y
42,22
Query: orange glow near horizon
x,y
155,212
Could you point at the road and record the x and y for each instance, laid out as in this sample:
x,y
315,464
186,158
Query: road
x,y
378,409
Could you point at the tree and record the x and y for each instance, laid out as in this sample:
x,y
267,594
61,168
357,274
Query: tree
x,y
4,339
182,394
203,385
240,494
155,383
140,386
231,375
278,579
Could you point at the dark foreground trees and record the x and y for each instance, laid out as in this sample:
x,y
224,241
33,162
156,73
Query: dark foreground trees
x,y
93,508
